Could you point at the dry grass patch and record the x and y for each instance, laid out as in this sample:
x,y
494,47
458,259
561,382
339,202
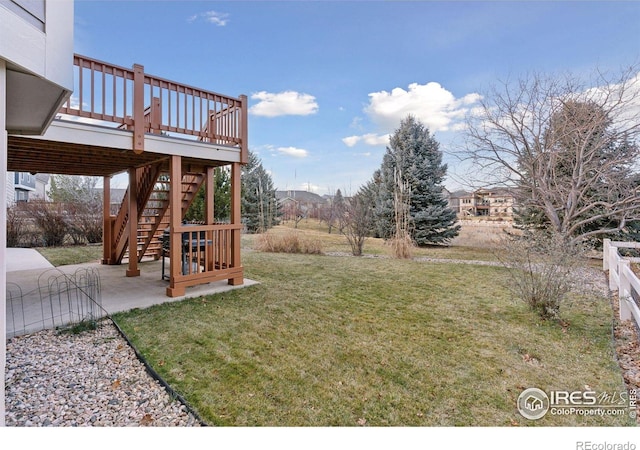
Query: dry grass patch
x,y
289,242
402,247
337,243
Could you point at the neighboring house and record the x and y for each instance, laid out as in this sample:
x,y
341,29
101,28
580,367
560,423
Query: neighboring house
x,y
116,197
43,186
36,78
23,186
453,199
300,204
491,202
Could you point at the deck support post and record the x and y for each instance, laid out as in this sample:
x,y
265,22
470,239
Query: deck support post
x,y
133,270
209,193
236,219
209,214
175,207
107,229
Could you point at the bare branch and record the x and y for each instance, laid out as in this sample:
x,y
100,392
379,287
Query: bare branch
x,y
570,146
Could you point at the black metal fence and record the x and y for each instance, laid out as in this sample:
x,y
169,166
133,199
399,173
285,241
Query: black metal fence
x,y
60,300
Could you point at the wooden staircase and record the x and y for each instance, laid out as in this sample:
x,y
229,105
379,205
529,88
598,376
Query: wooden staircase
x,y
153,211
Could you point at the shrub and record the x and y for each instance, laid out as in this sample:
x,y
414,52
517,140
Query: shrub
x,y
542,268
402,247
16,226
86,227
290,242
49,218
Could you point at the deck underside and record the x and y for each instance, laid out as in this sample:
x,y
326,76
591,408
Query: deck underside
x,y
75,148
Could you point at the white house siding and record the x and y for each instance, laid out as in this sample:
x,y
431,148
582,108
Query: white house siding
x,y
10,194
36,77
3,235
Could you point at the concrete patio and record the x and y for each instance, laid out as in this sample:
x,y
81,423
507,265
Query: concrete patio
x,y
28,270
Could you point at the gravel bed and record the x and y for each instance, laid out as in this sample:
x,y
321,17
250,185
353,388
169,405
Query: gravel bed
x,y
88,379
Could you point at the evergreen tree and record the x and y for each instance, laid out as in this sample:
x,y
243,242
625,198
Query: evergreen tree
x,y
576,129
259,207
222,194
370,193
415,154
385,202
221,198
338,207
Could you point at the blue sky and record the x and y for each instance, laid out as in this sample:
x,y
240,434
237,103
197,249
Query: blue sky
x,y
328,81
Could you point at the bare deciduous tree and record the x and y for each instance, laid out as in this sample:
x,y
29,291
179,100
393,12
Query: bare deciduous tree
x,y
570,147
333,212
357,219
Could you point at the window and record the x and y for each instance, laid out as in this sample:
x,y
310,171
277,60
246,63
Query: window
x,y
22,196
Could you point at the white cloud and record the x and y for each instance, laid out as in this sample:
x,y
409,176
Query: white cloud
x,y
430,103
269,148
621,102
283,104
293,151
375,139
369,139
350,141
213,17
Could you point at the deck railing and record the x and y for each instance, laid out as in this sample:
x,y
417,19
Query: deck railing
x,y
207,252
143,103
623,279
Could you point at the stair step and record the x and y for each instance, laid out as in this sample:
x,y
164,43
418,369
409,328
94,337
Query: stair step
x,y
153,214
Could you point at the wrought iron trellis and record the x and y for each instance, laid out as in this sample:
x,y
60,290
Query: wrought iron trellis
x,y
60,300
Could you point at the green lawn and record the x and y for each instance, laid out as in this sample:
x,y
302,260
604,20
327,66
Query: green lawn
x,y
72,254
339,341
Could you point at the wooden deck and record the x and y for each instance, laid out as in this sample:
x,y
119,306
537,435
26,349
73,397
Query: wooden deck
x,y
158,131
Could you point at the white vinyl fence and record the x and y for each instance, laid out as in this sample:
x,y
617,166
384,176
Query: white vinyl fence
x,y
622,278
